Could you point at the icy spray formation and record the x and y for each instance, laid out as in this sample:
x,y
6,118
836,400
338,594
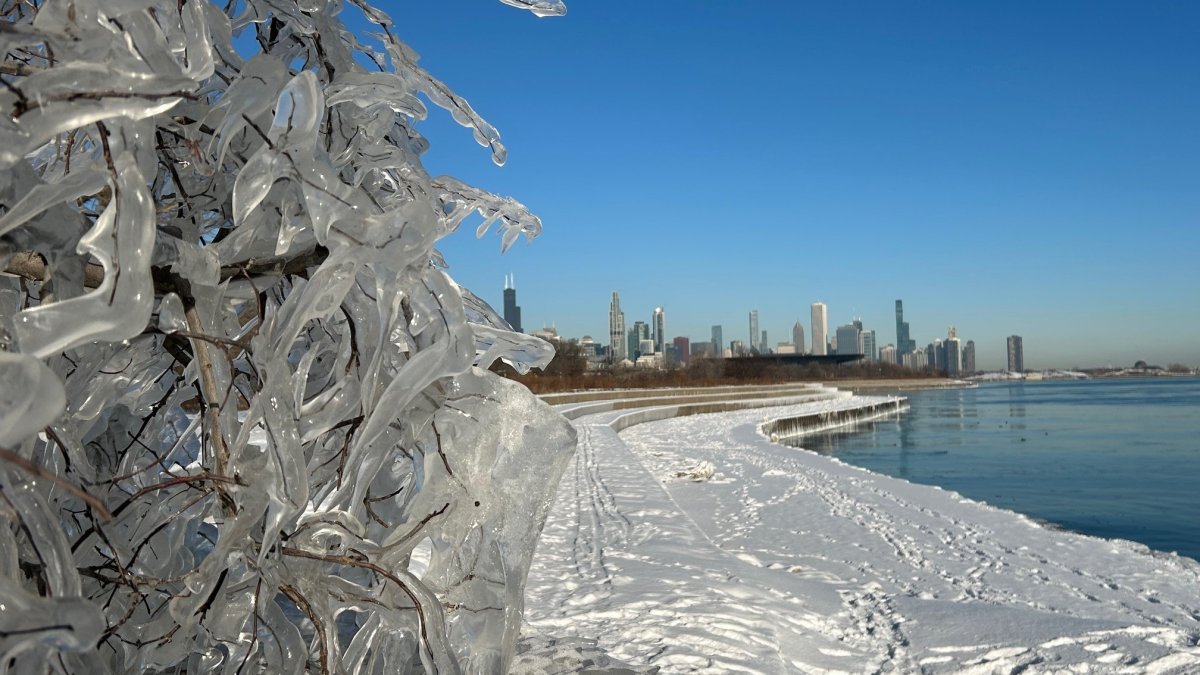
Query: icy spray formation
x,y
245,424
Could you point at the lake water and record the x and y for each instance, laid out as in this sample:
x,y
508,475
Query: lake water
x,y
1111,458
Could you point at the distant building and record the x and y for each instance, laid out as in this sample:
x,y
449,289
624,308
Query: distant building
x,y
917,360
512,312
753,330
798,337
637,334
649,360
849,339
701,350
618,347
785,348
646,348
763,344
683,350
659,330
548,333
868,345
953,354
820,329
718,341
642,329
737,348
968,357
670,356
887,354
1016,354
587,346
936,354
904,343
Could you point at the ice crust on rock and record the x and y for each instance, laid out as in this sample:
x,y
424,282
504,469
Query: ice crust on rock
x,y
238,387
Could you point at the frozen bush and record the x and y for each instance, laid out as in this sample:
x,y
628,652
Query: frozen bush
x,y
245,419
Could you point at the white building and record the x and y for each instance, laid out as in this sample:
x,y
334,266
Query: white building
x,y
887,354
658,328
915,360
646,347
617,347
587,346
753,330
820,328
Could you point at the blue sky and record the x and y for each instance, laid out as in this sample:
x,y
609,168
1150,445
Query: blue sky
x,y
1016,167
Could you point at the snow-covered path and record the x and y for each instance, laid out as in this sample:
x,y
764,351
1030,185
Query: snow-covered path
x,y
787,561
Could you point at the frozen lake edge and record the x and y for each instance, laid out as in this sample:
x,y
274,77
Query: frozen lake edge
x,y
780,560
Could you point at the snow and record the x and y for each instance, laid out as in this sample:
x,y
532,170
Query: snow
x,y
788,561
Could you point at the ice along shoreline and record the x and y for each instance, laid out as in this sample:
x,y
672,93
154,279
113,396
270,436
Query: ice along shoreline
x,y
786,561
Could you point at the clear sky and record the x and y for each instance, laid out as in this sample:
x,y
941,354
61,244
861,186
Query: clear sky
x,y
1009,167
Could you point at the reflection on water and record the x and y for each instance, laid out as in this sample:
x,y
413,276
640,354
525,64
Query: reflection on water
x,y
1113,458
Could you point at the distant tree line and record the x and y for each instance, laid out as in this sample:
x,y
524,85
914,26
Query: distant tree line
x,y
568,371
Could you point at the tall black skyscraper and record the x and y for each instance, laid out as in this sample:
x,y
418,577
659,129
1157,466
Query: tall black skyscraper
x,y
904,344
512,313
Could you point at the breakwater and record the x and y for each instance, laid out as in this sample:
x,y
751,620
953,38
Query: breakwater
x,y
787,428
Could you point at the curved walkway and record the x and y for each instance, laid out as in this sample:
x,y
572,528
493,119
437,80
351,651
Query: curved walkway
x,y
786,561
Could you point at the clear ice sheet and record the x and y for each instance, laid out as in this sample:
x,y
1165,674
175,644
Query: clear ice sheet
x,y
245,415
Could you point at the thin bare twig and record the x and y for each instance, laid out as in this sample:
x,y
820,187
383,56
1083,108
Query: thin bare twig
x,y
95,504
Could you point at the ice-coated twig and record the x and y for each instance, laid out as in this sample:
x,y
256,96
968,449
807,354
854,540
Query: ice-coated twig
x,y
238,389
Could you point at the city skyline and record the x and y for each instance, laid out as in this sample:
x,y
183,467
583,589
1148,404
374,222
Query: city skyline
x,y
1050,148
870,338
950,354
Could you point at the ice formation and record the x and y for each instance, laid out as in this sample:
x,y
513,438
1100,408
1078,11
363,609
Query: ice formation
x,y
238,389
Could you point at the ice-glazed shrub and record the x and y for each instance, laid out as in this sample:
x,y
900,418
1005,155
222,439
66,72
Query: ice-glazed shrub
x,y
245,420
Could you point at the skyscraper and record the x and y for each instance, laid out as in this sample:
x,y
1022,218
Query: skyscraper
x,y
820,328
953,353
968,357
753,330
868,343
639,337
718,341
618,348
763,344
683,350
659,327
798,337
849,339
1016,354
904,343
512,312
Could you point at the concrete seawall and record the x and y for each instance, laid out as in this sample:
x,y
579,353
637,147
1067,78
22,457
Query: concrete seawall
x,y
668,411
793,427
661,404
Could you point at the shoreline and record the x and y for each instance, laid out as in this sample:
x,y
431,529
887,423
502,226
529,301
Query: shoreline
x,y
696,544
851,425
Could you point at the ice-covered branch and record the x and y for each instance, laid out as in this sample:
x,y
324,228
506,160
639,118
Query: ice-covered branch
x,y
244,421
